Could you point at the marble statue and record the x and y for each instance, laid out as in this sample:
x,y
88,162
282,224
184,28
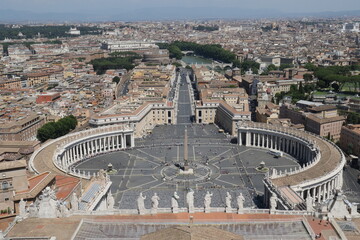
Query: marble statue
x,y
110,201
207,201
74,202
190,201
353,210
141,204
154,203
228,202
47,204
22,208
309,204
33,211
240,202
64,211
273,202
175,203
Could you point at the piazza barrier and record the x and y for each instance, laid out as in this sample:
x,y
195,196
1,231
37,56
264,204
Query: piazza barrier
x,y
79,146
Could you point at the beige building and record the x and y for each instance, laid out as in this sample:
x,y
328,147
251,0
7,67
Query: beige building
x,y
350,139
13,83
267,112
24,128
12,178
144,117
322,120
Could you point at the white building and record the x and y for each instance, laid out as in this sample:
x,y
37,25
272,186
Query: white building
x,y
351,27
74,31
123,46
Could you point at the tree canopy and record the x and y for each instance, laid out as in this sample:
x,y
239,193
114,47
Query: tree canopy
x,y
116,61
57,129
45,31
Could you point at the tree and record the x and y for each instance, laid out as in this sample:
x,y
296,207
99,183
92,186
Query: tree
x,y
57,129
116,79
271,67
310,67
283,66
301,89
177,64
335,86
175,52
308,77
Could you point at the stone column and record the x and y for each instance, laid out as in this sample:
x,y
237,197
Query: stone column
x,y
87,148
123,141
72,154
263,140
132,140
240,138
113,142
247,142
81,148
318,193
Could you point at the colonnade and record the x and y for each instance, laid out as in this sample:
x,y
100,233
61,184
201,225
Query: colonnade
x,y
294,146
85,148
300,146
324,190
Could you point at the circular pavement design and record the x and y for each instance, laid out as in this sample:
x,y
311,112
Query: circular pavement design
x,y
219,167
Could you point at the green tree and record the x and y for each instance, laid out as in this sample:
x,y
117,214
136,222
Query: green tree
x,y
310,67
308,77
301,89
283,66
335,86
271,67
116,79
177,64
57,129
175,52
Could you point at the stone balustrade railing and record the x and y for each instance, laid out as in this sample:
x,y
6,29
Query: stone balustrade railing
x,y
196,210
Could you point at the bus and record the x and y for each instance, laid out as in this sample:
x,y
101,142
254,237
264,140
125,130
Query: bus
x,y
276,154
354,161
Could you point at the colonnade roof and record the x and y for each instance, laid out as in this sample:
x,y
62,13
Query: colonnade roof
x,y
330,159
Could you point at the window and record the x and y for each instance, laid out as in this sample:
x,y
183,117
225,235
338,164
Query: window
x,y
5,185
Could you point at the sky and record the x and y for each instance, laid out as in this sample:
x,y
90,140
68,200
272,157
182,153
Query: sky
x,y
113,5
178,7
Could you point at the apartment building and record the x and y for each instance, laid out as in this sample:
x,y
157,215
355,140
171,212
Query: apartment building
x,y
350,139
20,128
322,120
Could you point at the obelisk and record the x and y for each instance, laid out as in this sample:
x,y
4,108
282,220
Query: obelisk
x,y
186,152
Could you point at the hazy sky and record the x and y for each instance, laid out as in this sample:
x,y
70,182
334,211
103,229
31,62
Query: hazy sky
x,y
112,6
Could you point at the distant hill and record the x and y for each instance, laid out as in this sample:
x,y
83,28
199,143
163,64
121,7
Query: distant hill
x,y
165,13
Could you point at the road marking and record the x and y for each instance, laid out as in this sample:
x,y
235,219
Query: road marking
x,y
177,154
217,179
220,154
150,155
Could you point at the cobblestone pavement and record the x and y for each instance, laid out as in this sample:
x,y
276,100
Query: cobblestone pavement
x,y
219,167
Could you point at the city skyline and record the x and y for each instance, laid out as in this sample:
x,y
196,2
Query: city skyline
x,y
79,10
